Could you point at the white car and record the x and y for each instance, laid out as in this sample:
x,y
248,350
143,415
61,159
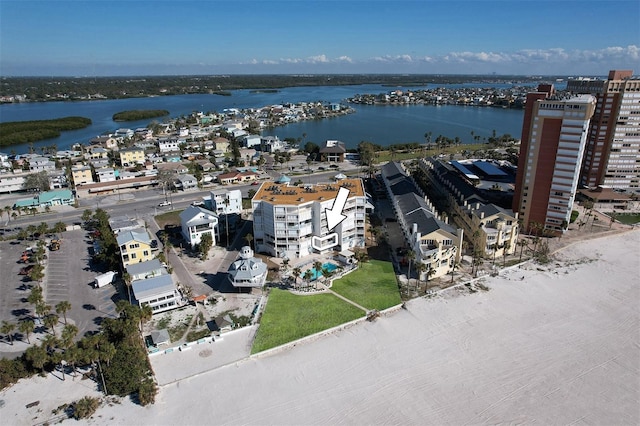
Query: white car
x,y
164,204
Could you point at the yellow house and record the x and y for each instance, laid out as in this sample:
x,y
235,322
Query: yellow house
x,y
131,156
81,175
135,246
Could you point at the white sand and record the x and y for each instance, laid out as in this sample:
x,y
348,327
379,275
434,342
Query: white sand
x,y
561,346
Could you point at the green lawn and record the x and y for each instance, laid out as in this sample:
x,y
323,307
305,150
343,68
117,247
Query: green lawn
x,y
288,317
373,285
627,218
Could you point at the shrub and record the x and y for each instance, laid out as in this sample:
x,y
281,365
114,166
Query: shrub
x,y
574,215
85,407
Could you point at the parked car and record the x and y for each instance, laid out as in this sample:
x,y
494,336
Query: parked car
x,y
164,204
26,270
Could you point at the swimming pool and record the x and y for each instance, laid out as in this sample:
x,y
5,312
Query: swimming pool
x,y
317,274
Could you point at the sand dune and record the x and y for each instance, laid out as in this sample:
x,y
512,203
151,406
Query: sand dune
x,y
558,344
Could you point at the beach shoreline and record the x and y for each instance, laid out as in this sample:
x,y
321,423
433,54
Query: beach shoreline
x,y
554,343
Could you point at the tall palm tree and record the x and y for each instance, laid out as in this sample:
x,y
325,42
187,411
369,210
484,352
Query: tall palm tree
x,y
411,256
307,277
146,313
26,327
127,282
422,268
37,355
249,238
522,243
62,308
296,274
7,329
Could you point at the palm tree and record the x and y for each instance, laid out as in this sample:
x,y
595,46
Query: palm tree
x,y
411,256
62,308
326,274
505,248
307,276
37,355
7,329
51,321
422,268
249,238
146,312
296,274
522,243
69,332
26,327
127,282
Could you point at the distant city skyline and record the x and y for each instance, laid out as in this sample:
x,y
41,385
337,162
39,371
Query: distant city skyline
x,y
108,38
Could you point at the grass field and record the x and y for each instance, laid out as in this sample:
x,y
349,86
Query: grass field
x,y
627,218
288,317
373,285
171,218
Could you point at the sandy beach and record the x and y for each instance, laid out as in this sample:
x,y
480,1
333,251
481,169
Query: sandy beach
x,y
552,344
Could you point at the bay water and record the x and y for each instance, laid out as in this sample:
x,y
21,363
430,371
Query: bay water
x,y
383,125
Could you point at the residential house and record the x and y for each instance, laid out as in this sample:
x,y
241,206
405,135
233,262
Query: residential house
x,y
81,175
131,156
247,271
333,151
251,141
271,144
39,163
159,292
168,145
107,174
12,181
222,144
124,133
143,270
186,182
107,142
96,153
195,222
225,202
135,246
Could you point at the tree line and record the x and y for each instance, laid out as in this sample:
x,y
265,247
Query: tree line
x,y
139,114
19,132
42,89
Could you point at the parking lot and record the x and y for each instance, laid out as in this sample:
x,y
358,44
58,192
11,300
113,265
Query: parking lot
x,y
68,276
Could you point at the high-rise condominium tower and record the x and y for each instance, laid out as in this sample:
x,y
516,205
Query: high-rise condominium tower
x,y
612,154
554,135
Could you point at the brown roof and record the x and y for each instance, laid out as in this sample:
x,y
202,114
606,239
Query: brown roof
x,y
604,194
278,193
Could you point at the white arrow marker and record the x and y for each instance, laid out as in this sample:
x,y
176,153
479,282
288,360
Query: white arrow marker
x,y
334,215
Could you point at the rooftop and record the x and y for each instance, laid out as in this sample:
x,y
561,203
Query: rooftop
x,y
279,193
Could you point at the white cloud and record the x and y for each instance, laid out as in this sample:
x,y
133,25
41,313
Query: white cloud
x,y
551,60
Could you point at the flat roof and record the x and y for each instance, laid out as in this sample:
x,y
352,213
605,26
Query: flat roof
x,y
489,169
279,193
463,169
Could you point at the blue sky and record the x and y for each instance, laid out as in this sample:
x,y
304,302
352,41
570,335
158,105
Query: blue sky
x,y
98,38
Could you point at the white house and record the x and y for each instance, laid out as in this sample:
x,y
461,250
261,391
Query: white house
x,y
159,292
168,145
251,140
186,181
226,202
195,222
247,271
107,174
